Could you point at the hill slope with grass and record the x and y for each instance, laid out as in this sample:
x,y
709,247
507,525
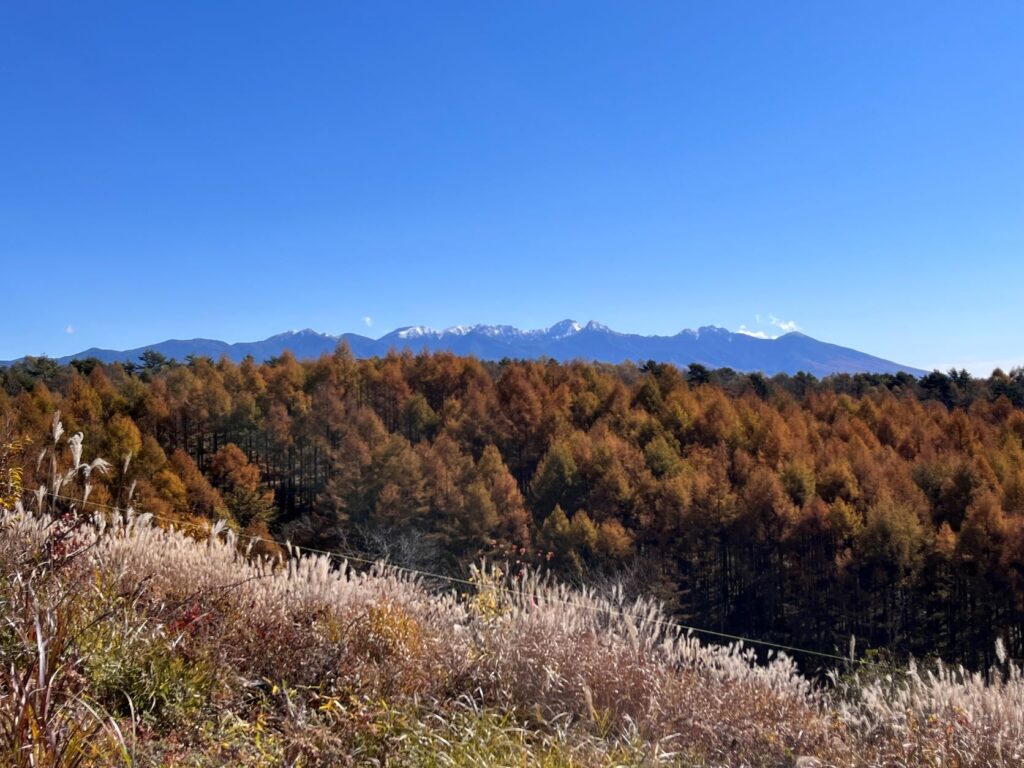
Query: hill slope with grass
x,y
127,643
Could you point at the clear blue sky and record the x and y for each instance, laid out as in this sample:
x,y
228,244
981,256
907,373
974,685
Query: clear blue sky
x,y
232,170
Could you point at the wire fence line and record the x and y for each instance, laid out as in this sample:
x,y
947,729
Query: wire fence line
x,y
353,557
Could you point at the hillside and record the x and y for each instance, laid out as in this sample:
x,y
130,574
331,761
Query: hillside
x,y
789,509
128,644
564,341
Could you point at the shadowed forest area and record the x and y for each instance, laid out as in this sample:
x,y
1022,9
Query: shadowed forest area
x,y
786,509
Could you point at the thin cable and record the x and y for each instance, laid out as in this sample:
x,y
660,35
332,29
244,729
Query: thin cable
x,y
456,580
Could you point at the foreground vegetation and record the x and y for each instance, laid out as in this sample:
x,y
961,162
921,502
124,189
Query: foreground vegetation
x,y
127,643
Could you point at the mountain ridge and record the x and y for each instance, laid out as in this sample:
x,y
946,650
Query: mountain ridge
x,y
712,346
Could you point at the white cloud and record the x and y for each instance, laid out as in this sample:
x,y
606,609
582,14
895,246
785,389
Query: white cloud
x,y
69,329
756,334
367,321
786,326
761,333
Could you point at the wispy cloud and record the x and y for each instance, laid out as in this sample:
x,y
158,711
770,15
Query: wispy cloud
x,y
773,322
786,326
367,321
756,334
69,329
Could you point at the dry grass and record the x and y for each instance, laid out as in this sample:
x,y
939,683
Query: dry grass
x,y
203,655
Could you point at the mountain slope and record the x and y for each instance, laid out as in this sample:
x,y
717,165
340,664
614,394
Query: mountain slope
x,y
566,340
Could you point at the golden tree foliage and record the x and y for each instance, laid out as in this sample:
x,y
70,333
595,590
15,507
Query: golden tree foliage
x,y
881,506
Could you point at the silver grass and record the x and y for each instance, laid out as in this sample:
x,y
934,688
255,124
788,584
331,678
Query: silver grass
x,y
75,444
218,528
569,655
57,428
97,465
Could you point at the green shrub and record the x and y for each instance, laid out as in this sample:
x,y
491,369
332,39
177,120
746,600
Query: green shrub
x,y
135,669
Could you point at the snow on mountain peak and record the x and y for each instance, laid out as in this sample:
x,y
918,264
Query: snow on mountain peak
x,y
564,328
506,331
559,330
304,333
416,332
494,331
564,340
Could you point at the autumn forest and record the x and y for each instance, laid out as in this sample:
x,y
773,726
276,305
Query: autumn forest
x,y
789,509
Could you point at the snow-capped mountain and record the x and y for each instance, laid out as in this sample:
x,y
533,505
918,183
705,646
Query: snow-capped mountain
x,y
566,340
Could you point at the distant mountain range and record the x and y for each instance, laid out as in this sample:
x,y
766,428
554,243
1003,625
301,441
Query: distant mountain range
x,y
567,340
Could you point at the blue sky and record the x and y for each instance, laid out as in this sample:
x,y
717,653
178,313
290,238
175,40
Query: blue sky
x,y
231,170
